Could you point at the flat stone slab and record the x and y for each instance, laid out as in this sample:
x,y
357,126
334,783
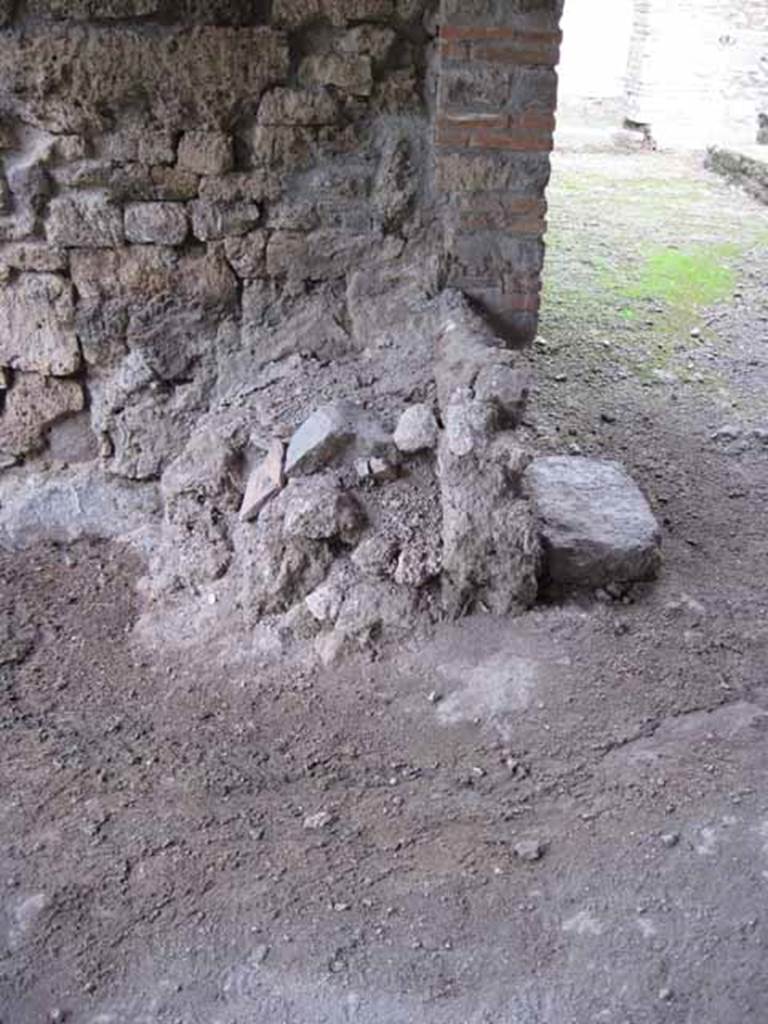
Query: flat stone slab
x,y
596,526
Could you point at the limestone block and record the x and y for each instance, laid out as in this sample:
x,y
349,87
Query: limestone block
x,y
156,223
298,107
37,329
32,404
596,526
215,220
205,152
84,221
33,256
77,78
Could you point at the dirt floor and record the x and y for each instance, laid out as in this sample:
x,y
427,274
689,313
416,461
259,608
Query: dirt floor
x,y
558,819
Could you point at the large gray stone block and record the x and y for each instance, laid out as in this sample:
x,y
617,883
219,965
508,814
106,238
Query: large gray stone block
x,y
596,526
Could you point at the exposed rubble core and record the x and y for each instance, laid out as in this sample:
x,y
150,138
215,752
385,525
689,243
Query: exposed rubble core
x,y
243,253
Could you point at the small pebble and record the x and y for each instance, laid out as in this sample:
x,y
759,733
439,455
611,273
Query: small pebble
x,y
670,839
530,850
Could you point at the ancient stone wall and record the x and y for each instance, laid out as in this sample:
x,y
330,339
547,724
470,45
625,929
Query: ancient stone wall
x,y
187,184
189,188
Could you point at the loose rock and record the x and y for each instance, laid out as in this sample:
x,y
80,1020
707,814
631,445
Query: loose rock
x,y
417,430
264,483
596,526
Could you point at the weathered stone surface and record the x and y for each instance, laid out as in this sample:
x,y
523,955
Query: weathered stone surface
x,y
74,78
77,503
305,107
32,404
351,74
490,557
376,556
266,480
37,325
215,220
247,254
84,221
596,526
338,12
36,256
507,388
72,440
156,223
465,346
416,430
318,509
331,431
319,256
199,488
205,152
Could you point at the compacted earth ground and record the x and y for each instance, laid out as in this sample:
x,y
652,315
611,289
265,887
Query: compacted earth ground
x,y
554,819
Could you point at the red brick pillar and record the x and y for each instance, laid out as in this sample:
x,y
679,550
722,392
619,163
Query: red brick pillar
x,y
495,121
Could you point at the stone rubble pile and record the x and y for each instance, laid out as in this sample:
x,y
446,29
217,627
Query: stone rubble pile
x,y
358,524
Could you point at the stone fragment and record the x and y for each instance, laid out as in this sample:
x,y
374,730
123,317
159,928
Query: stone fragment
x,y
265,481
324,603
37,325
596,526
382,470
84,221
322,819
331,431
317,509
530,850
507,388
156,223
376,556
416,430
205,152
32,405
214,220
247,254
419,561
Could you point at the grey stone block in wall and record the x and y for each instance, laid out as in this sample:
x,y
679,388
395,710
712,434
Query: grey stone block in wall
x,y
156,223
80,221
596,526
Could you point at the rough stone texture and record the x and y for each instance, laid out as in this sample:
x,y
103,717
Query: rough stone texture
x,y
156,223
749,172
83,222
596,526
490,549
77,503
32,405
37,325
266,480
331,431
416,429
